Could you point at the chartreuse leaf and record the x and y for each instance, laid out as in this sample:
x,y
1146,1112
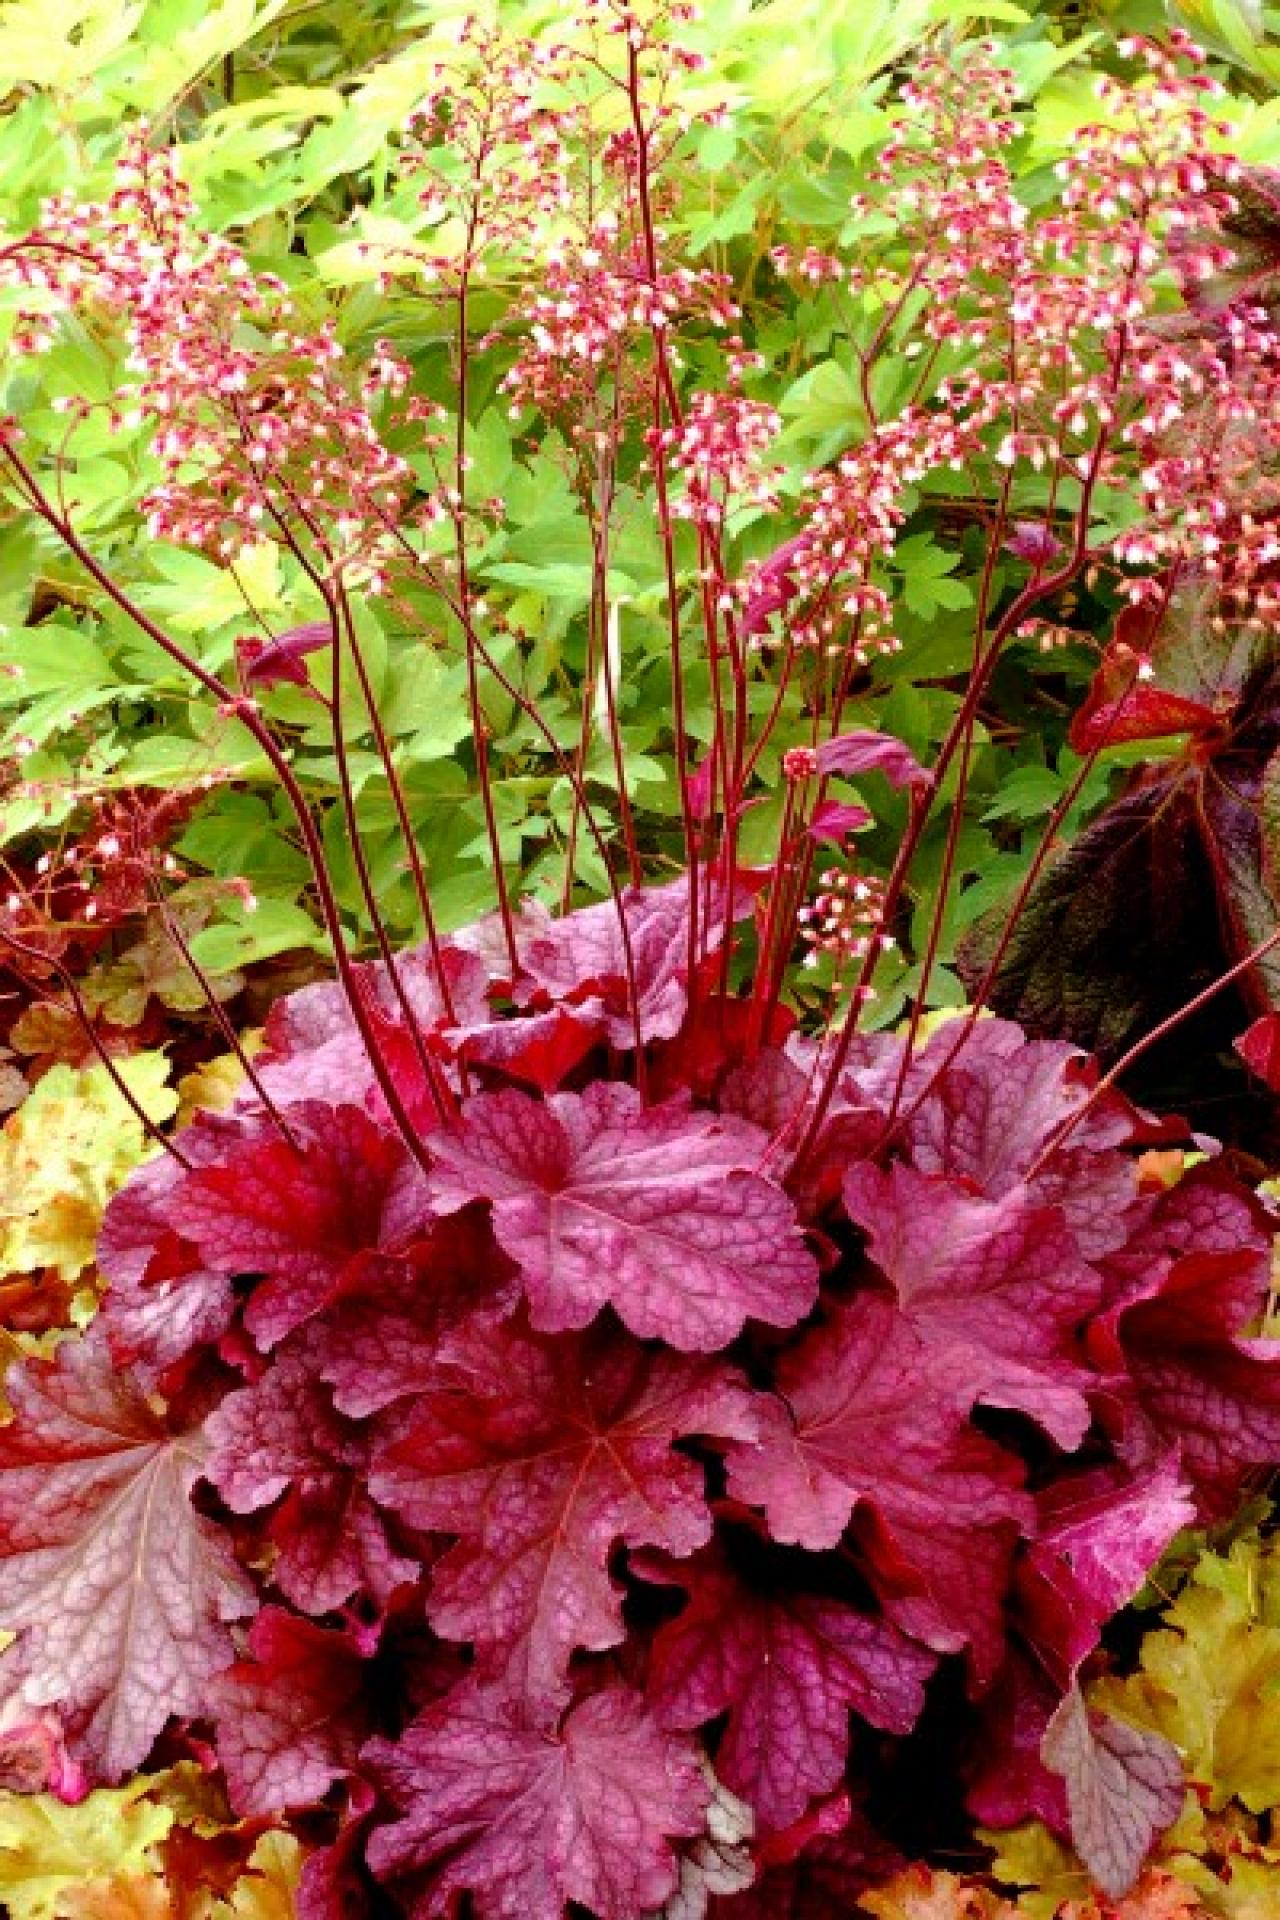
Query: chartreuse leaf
x,y
1209,1680
266,1891
58,44
48,1849
64,1153
923,1894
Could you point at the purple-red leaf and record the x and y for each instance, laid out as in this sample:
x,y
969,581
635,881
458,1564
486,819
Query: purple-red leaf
x,y
541,1455
583,961
1259,1048
603,1202
276,663
379,1340
1204,1387
528,1818
1100,1535
864,751
996,1284
787,1666
816,1869
868,1419
1123,706
299,1217
291,1718
834,820
282,1436
120,1592
1124,1787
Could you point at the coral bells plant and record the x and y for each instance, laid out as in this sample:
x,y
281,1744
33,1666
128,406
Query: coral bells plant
x,y
573,1436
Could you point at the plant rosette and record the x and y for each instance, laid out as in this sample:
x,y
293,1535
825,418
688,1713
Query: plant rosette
x,y
520,1506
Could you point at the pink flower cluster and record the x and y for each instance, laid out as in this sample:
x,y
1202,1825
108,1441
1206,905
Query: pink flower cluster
x,y
259,431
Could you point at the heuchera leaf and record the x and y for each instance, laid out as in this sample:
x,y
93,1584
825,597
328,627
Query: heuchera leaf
x,y
1206,1389
868,1419
815,1869
601,1202
1100,1534
119,1590
48,1850
291,1718
376,1344
162,1303
282,1436
1124,1786
864,751
279,662
299,1217
542,1455
995,1285
1208,1678
1121,706
528,1818
582,960
787,1666
1259,1048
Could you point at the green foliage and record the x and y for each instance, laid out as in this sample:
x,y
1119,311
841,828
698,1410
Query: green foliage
x,y
287,119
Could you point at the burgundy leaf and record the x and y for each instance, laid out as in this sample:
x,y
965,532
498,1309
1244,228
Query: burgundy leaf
x,y
773,585
120,1592
335,1883
282,1436
991,1116
162,1303
834,820
275,663
526,1819
1259,1048
868,1419
1206,1211
1204,1387
582,959
604,1202
864,751
995,1284
290,1719
1100,1535
816,1869
1031,540
1008,1780
298,1218
1121,706
377,1343
539,1048
542,1455
1124,1787
787,1666
313,1049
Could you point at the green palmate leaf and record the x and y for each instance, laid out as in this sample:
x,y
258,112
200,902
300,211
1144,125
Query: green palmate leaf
x,y
247,934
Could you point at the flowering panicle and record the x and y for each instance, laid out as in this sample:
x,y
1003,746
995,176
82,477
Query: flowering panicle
x,y
258,430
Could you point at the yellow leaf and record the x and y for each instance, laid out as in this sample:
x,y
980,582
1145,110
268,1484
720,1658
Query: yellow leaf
x,y
64,1152
47,1848
266,1891
921,1894
212,1087
1210,1678
121,1898
1044,1870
